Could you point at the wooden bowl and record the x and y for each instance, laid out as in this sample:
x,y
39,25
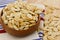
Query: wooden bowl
x,y
20,32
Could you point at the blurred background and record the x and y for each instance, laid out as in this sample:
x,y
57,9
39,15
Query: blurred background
x,y
4,2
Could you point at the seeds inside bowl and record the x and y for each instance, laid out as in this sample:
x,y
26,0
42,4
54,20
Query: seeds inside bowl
x,y
20,15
